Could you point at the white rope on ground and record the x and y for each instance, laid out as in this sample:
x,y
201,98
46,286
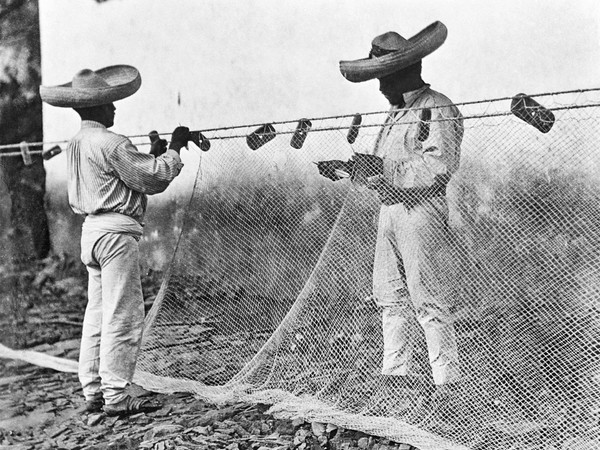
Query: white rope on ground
x,y
39,359
288,406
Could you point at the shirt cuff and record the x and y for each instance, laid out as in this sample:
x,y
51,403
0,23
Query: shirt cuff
x,y
172,153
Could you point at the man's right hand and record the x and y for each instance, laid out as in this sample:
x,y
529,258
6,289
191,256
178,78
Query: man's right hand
x,y
388,194
158,147
179,138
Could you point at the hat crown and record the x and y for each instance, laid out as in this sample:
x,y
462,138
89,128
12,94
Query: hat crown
x,y
390,42
94,87
87,78
390,53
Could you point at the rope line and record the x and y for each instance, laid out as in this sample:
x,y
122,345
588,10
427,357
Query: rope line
x,y
333,117
345,116
475,116
32,152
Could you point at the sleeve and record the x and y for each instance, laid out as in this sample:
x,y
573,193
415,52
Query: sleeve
x,y
143,172
437,139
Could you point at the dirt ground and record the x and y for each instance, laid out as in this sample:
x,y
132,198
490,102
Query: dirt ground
x,y
40,409
41,308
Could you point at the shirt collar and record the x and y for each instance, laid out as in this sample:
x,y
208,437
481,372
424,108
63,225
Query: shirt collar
x,y
91,124
411,96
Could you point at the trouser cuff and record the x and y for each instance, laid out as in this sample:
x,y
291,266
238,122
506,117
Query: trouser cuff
x,y
111,397
445,375
395,370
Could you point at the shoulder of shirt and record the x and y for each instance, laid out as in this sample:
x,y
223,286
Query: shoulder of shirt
x,y
434,99
104,141
117,137
113,140
100,134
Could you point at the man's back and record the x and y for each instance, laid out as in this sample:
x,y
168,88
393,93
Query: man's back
x,y
108,180
108,174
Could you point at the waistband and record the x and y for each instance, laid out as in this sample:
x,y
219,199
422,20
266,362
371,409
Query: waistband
x,y
112,222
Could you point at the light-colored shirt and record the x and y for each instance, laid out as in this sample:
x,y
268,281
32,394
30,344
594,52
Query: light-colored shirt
x,y
420,141
107,173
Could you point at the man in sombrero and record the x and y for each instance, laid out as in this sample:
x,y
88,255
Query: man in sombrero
x,y
108,182
420,148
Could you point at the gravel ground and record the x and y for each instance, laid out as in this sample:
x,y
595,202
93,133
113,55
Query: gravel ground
x,y
41,308
41,409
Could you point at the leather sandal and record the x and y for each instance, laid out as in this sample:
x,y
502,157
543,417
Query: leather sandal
x,y
131,405
93,405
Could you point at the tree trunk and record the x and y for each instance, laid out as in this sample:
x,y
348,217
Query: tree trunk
x,y
21,120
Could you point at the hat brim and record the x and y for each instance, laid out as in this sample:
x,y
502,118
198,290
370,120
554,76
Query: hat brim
x,y
122,81
422,44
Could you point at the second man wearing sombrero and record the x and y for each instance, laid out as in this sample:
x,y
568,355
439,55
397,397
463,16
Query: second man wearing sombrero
x,y
108,183
420,148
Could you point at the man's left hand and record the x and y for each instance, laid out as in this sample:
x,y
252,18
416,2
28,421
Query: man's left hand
x,y
388,194
158,147
179,138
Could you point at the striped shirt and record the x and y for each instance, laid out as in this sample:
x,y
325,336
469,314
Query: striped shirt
x,y
107,173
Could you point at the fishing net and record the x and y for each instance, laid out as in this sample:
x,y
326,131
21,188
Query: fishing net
x,y
269,295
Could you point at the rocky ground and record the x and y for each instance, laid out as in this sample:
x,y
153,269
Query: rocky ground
x,y
40,409
41,308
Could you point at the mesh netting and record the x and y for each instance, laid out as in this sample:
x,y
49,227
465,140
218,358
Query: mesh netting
x,y
269,294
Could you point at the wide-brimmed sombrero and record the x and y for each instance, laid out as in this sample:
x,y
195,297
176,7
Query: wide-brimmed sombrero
x,y
390,53
93,88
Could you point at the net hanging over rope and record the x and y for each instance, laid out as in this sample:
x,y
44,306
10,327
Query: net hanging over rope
x,y
269,295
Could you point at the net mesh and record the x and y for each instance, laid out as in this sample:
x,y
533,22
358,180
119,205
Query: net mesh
x,y
269,295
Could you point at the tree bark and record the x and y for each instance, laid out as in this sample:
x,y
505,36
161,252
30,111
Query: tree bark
x,y
21,120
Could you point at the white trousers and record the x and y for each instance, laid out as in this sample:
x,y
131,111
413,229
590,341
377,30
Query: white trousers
x,y
114,317
412,276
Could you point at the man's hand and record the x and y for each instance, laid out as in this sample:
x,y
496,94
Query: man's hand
x,y
328,168
367,166
179,138
158,147
388,194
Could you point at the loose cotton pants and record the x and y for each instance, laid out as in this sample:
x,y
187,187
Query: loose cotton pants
x,y
114,317
412,275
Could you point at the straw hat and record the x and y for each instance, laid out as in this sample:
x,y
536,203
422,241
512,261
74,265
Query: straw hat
x,y
390,53
93,88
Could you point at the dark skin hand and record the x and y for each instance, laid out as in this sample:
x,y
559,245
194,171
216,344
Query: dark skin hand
x,y
328,168
158,147
179,138
388,194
